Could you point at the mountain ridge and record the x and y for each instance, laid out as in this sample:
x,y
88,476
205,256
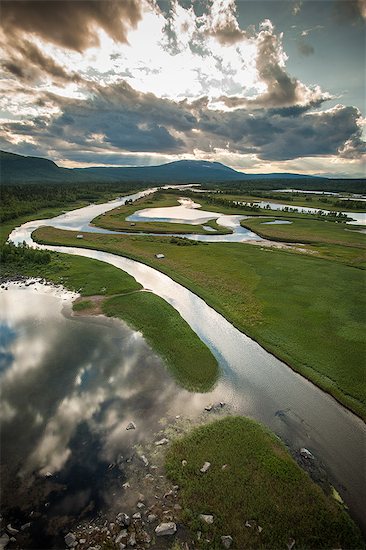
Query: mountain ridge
x,y
16,168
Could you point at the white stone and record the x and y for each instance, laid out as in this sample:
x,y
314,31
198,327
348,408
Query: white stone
x,y
205,467
164,529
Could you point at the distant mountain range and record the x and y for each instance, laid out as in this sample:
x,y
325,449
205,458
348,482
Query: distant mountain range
x,y
20,169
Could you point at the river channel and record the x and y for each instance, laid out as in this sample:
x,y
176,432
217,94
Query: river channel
x,y
253,382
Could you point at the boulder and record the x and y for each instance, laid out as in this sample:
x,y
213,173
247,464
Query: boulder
x,y
123,519
164,529
122,535
70,540
132,540
205,467
131,426
163,441
151,518
291,544
305,453
11,529
226,541
144,460
207,518
137,515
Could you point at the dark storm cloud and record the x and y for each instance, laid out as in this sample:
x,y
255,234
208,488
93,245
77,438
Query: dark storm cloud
x,y
71,24
118,119
28,63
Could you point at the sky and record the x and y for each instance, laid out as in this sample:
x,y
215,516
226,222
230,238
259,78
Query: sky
x,y
261,86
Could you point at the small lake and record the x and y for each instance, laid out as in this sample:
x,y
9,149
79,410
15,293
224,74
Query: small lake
x,y
358,218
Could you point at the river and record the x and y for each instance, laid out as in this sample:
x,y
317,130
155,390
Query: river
x,y
253,382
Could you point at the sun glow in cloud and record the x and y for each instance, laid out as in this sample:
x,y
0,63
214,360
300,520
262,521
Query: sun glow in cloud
x,y
188,82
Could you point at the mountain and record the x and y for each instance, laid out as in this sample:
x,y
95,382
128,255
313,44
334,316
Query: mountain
x,y
20,169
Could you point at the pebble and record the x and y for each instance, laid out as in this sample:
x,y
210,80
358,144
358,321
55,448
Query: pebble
x,y
131,426
227,541
163,441
207,518
205,467
164,529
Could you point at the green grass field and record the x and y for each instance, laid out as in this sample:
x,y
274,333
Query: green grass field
x,y
305,200
188,359
261,484
185,355
115,219
308,231
307,311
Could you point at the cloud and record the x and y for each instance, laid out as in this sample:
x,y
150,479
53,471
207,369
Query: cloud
x,y
118,120
26,62
71,24
221,22
282,90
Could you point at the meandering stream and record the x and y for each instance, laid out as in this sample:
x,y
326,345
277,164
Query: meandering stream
x,y
253,382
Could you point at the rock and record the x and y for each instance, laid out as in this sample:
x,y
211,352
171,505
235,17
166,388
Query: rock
x,y
227,541
223,467
208,408
177,417
206,518
164,529
151,518
48,474
205,467
70,540
250,523
291,544
184,463
132,540
82,541
131,426
122,546
11,529
177,507
121,536
144,460
25,526
260,529
305,453
163,441
4,539
137,515
123,519
222,404
140,505
126,485
169,494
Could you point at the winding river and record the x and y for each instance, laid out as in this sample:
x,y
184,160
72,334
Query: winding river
x,y
253,382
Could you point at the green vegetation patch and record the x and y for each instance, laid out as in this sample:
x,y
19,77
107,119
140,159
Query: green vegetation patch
x,y
307,231
115,220
260,484
307,311
187,357
83,305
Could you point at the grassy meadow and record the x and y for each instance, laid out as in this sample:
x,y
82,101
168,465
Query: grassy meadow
x,y
260,484
307,311
115,219
189,360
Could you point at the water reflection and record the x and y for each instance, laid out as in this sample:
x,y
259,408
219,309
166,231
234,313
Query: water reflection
x,y
69,390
